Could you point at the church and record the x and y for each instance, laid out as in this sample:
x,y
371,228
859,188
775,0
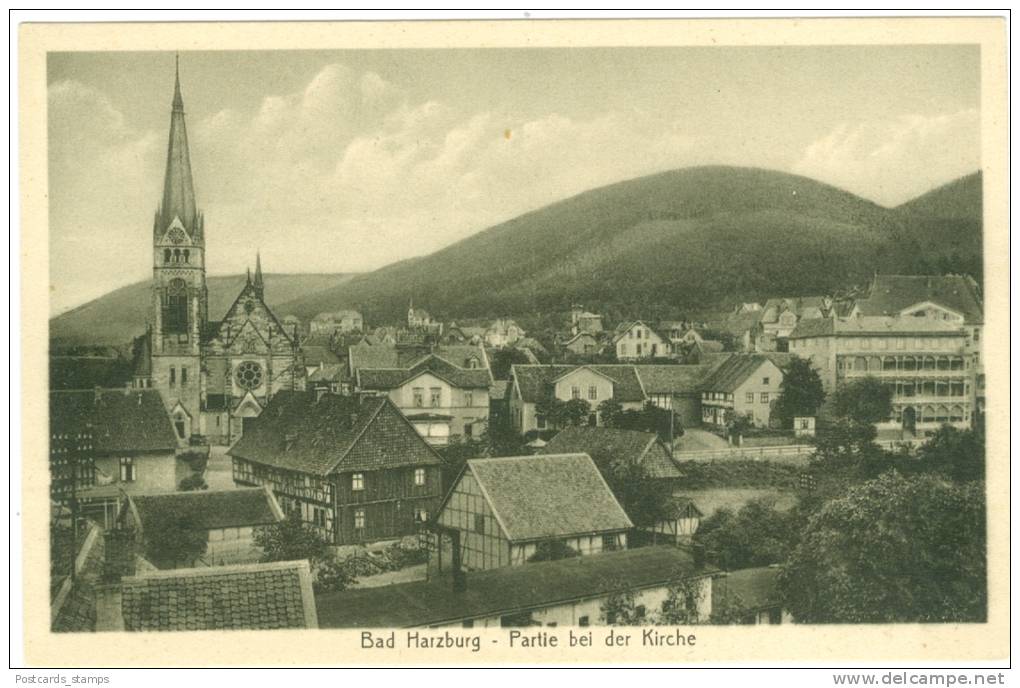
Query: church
x,y
211,374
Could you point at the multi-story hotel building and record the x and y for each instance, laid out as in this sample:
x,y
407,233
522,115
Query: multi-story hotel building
x,y
927,363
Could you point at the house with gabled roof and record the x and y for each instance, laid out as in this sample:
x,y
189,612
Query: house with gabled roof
x,y
228,518
444,401
529,384
745,385
607,446
507,511
637,339
354,467
781,315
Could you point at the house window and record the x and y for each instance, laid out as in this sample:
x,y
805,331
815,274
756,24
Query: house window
x,y
419,397
480,523
127,469
359,519
469,398
319,517
583,620
470,623
764,380
184,376
764,397
610,543
575,392
593,392
436,396
173,376
749,398
419,476
421,515
357,481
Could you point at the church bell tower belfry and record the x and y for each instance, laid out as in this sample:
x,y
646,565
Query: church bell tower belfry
x,y
179,296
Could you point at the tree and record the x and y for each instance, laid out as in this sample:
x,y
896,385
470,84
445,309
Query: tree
x,y
501,360
193,482
683,599
958,454
178,540
291,539
892,550
800,392
620,606
865,401
756,535
609,411
334,576
645,499
573,412
650,418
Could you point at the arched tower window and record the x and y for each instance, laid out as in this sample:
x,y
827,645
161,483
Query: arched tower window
x,y
175,307
187,256
167,254
177,255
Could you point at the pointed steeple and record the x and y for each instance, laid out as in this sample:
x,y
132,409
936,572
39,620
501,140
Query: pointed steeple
x,y
259,286
178,189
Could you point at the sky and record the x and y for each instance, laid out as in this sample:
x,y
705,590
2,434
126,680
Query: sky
x,y
345,161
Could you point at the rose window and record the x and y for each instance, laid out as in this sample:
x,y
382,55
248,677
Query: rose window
x,y
248,375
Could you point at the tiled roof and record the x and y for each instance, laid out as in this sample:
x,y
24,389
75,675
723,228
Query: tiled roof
x,y
749,589
675,379
329,372
314,354
872,325
209,510
733,373
364,356
123,420
390,378
607,445
254,596
800,305
622,329
506,590
534,380
538,497
333,434
890,294
738,323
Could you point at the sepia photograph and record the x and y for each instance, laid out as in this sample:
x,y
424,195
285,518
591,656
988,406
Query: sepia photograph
x,y
485,348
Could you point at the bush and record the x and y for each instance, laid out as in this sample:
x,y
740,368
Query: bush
x,y
193,482
334,576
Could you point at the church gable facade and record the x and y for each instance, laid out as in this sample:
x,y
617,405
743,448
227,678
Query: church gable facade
x,y
211,375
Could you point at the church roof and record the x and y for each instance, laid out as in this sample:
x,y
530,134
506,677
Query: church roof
x,y
178,188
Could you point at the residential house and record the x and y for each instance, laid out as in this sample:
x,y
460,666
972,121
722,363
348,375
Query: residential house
x,y
745,385
607,446
507,511
637,339
780,316
503,332
926,364
582,321
678,387
680,522
532,347
750,596
742,326
529,384
227,517
345,320
583,344
354,467
108,443
566,592
250,597
444,401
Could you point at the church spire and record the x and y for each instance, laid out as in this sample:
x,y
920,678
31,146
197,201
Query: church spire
x,y
178,189
259,286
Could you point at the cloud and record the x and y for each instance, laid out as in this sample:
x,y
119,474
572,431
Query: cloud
x,y
893,160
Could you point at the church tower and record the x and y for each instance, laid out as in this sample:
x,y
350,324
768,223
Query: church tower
x,y
179,296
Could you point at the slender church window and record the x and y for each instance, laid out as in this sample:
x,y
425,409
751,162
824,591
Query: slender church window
x,y
175,307
167,254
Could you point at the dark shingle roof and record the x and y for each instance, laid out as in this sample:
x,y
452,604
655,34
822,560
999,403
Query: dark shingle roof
x,y
506,590
734,372
872,325
537,497
209,510
123,420
390,378
606,445
675,379
254,596
890,294
332,434
314,354
534,380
